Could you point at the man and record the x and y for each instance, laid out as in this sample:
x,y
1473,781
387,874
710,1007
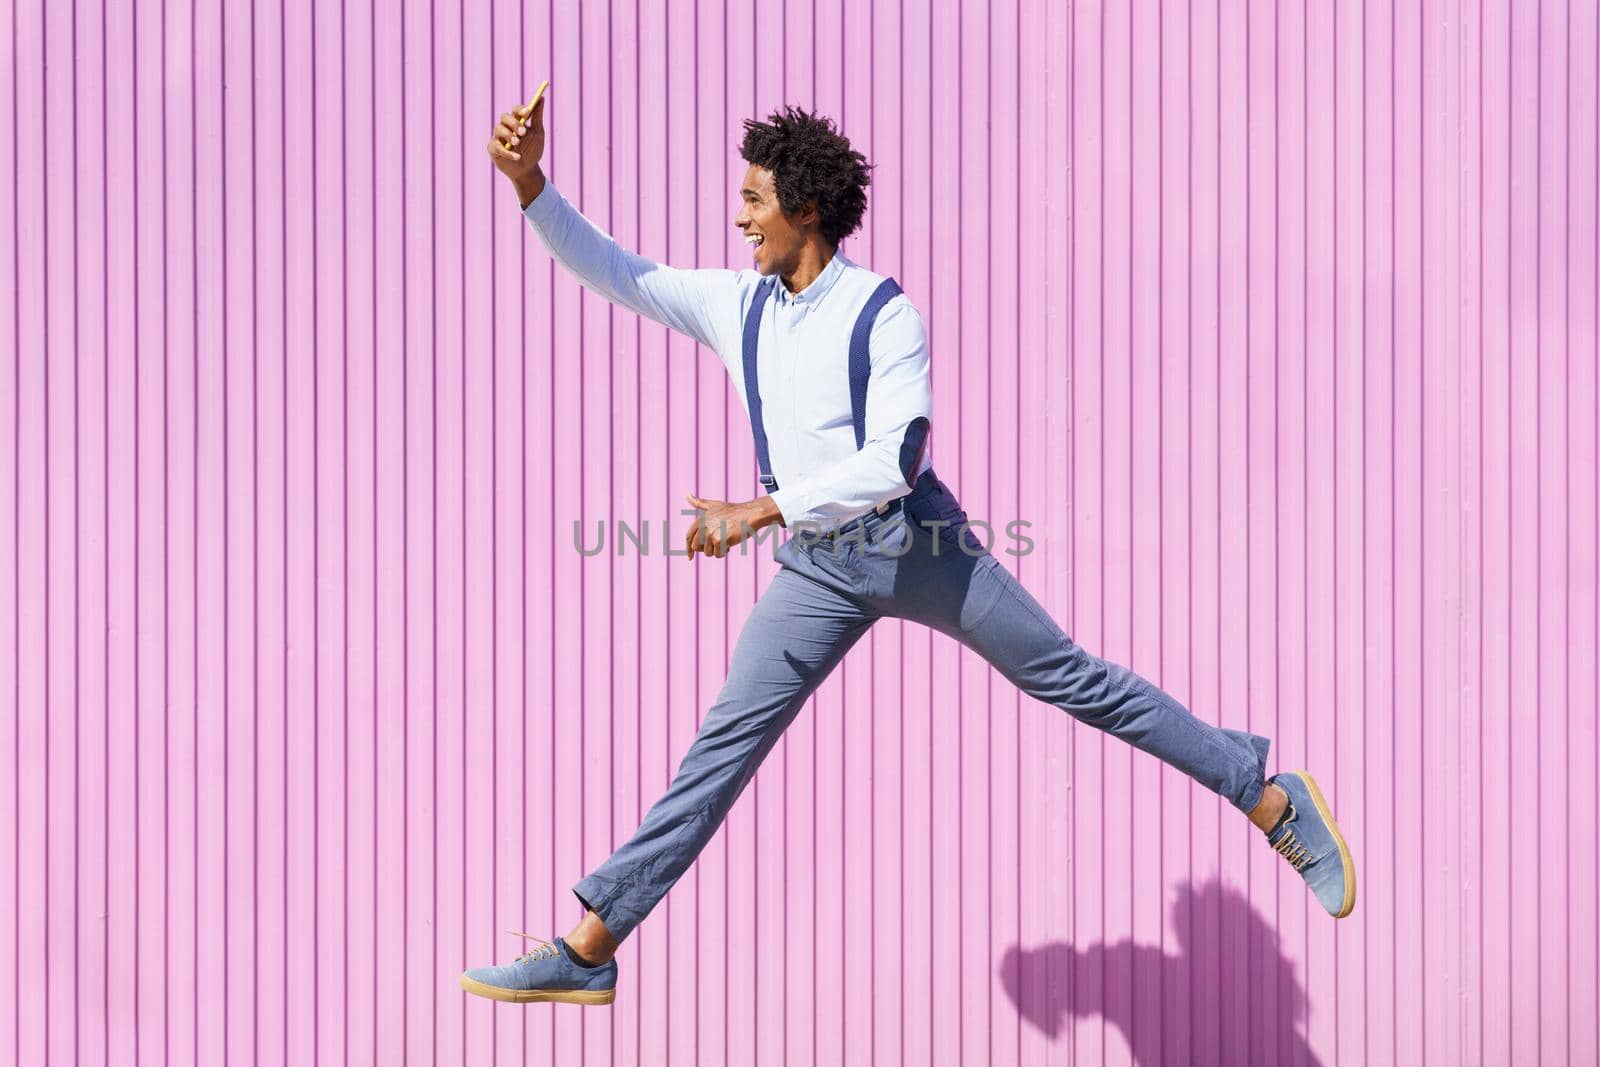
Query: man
x,y
832,363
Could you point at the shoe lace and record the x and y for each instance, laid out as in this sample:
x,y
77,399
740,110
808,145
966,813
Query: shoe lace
x,y
1290,848
546,950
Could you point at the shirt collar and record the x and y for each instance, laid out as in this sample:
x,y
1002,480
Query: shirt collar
x,y
812,294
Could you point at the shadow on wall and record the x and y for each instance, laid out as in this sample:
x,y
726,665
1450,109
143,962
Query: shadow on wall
x,y
1192,1002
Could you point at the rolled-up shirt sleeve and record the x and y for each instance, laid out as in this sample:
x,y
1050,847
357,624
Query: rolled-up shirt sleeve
x,y
898,415
697,303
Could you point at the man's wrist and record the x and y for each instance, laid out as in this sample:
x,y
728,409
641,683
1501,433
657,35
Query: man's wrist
x,y
765,513
529,186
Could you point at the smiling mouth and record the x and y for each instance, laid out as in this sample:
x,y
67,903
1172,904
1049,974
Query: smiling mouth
x,y
754,240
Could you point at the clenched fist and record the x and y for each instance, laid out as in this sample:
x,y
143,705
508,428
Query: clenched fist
x,y
720,525
517,145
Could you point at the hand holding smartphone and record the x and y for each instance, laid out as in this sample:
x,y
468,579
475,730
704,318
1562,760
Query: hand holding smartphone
x,y
517,145
525,112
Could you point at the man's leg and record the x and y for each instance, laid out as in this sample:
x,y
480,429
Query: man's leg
x,y
982,604
797,633
996,617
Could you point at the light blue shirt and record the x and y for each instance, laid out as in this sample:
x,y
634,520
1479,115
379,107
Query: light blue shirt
x,y
802,360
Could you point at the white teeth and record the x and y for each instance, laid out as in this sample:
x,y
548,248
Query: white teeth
x,y
752,239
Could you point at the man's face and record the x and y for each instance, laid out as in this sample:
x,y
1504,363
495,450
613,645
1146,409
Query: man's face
x,y
778,237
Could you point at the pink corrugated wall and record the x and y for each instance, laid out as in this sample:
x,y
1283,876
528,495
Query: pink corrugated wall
x,y
1276,321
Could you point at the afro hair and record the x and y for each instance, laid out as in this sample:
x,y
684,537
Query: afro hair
x,y
811,160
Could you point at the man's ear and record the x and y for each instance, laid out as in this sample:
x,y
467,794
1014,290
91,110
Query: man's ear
x,y
809,214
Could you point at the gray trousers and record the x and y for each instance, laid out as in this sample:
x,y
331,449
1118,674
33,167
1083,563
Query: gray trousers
x,y
826,595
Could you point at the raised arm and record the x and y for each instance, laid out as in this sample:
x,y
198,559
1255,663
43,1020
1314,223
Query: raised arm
x,y
702,304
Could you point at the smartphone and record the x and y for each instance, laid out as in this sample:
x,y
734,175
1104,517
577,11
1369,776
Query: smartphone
x,y
533,103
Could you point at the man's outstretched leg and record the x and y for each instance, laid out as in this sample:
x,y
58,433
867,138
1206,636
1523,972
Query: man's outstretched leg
x,y
981,603
797,633
1027,646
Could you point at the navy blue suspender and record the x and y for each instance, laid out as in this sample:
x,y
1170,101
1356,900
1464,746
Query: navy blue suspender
x,y
860,367
861,355
752,386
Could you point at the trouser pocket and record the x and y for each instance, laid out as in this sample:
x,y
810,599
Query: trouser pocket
x,y
940,513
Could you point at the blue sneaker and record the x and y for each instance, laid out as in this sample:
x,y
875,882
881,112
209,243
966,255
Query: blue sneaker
x,y
549,973
1310,840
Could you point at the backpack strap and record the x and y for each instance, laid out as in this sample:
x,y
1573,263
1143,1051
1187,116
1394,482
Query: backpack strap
x,y
752,386
860,357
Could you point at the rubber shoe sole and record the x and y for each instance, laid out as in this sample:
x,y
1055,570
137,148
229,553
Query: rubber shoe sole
x,y
1344,850
534,996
